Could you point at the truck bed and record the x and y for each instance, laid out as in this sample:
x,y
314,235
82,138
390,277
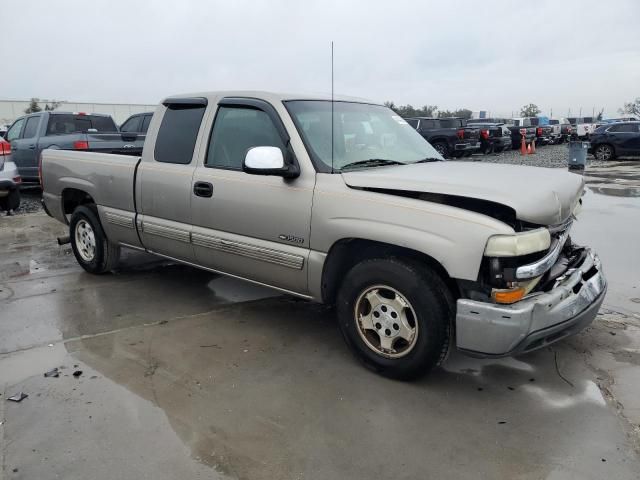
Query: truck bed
x,y
108,178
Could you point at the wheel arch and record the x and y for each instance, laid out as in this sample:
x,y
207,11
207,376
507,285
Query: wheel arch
x,y
347,252
74,197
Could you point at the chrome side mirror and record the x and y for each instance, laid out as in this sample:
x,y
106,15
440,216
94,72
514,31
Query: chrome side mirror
x,y
268,161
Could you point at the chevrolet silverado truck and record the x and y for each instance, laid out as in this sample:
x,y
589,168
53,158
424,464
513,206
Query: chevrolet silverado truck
x,y
31,134
342,202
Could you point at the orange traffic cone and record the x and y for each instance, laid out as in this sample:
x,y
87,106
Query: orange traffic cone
x,y
529,149
533,147
523,146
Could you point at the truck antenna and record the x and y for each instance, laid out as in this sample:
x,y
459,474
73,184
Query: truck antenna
x,y
332,106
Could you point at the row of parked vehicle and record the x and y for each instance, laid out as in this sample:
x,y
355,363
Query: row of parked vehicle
x,y
457,137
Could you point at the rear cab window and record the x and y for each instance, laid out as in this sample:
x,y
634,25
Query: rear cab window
x,y
64,124
178,133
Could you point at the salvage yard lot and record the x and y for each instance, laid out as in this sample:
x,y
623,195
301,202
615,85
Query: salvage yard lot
x,y
186,374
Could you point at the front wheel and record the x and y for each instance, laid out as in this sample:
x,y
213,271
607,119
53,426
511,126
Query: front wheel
x,y
604,152
396,316
90,245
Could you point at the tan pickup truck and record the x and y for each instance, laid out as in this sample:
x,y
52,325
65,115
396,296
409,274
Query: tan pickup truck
x,y
342,202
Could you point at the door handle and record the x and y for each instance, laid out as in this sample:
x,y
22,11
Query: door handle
x,y
203,189
32,147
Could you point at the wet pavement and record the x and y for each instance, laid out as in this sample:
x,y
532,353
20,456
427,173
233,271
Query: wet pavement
x,y
186,374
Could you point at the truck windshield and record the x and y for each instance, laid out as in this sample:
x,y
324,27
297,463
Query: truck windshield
x,y
369,135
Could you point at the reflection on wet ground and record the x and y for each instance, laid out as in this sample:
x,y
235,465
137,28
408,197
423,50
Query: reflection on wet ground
x,y
187,374
618,179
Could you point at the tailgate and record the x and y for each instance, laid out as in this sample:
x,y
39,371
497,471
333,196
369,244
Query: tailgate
x,y
121,143
471,133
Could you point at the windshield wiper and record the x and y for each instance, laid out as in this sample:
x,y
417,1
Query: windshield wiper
x,y
372,162
429,159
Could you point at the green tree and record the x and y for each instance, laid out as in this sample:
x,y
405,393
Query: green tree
x,y
530,110
632,108
53,106
461,112
410,111
33,106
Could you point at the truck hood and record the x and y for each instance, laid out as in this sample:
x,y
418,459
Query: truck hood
x,y
543,196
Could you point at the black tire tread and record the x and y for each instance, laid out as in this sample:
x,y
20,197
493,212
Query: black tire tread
x,y
446,303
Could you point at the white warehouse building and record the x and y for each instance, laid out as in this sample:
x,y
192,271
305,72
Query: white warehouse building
x,y
12,109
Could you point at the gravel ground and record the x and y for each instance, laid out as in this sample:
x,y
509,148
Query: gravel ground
x,y
551,156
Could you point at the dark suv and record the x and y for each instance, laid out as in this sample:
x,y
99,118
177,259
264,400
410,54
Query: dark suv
x,y
610,141
449,136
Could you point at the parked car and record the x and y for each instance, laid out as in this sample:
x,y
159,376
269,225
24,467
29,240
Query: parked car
x,y
9,179
615,139
583,127
494,137
31,134
564,127
515,127
449,136
137,123
416,253
543,132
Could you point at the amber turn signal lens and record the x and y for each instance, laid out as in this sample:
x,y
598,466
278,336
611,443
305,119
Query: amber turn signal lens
x,y
508,296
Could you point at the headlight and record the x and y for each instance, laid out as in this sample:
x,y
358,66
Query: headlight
x,y
518,243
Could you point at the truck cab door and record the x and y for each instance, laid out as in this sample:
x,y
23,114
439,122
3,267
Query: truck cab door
x,y
252,226
25,149
163,183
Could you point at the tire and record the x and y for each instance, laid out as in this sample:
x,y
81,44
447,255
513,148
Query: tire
x,y
442,148
399,289
604,152
11,202
90,245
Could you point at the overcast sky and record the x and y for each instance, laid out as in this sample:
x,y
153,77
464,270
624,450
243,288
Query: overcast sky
x,y
482,55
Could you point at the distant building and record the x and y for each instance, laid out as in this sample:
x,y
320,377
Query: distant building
x,y
12,109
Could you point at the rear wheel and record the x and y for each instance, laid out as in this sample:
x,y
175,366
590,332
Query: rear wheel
x,y
396,316
10,202
442,148
92,249
604,152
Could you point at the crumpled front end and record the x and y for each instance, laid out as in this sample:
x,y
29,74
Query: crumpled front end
x,y
535,299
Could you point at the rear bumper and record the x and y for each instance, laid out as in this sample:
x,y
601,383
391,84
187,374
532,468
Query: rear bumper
x,y
467,147
494,330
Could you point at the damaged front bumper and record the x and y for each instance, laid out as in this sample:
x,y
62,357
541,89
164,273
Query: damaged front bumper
x,y
492,330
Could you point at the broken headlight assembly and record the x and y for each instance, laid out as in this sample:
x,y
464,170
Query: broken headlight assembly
x,y
504,254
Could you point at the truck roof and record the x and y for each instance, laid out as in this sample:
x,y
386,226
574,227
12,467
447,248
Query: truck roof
x,y
272,96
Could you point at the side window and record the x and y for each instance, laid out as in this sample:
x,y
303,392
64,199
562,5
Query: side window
x,y
627,128
145,123
178,132
413,123
131,125
236,130
31,127
427,124
14,131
